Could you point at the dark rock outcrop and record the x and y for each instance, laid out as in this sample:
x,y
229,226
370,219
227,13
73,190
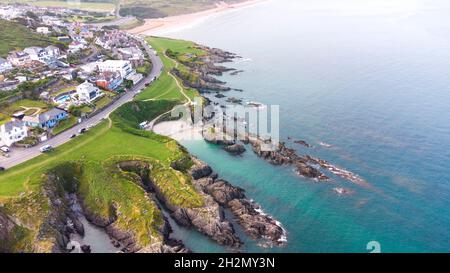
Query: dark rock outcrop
x,y
248,214
235,149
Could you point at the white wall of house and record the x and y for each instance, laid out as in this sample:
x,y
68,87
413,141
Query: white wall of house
x,y
12,132
87,92
120,66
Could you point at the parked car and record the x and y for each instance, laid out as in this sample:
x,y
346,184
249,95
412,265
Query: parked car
x,y
82,131
5,149
46,148
2,169
73,136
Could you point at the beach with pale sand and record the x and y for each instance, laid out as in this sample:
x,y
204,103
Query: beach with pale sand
x,y
159,26
179,130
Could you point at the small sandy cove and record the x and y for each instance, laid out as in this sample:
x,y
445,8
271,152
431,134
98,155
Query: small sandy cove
x,y
162,25
179,130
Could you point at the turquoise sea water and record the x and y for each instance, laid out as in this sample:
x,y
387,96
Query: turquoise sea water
x,y
373,80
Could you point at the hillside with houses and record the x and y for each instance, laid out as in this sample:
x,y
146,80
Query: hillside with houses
x,y
55,72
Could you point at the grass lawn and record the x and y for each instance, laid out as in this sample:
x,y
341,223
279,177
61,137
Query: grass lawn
x,y
102,102
27,103
65,124
14,36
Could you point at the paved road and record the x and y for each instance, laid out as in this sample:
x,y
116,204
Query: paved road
x,y
20,155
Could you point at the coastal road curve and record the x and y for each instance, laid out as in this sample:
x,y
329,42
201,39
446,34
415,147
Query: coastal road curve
x,y
20,155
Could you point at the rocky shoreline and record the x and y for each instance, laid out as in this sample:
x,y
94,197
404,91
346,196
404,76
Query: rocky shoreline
x,y
203,68
248,214
304,165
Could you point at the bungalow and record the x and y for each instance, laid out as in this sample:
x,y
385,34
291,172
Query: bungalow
x,y
48,119
12,132
19,58
87,92
4,65
109,80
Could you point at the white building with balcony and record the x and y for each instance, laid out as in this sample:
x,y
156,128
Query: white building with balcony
x,y
120,66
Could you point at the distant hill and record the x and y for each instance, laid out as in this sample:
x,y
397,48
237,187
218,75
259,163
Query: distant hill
x,y
160,8
139,8
16,36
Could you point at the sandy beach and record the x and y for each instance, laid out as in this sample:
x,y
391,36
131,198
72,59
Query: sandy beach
x,y
179,130
160,26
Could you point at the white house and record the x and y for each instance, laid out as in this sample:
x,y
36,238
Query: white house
x,y
87,92
43,30
76,46
4,65
53,51
12,132
43,55
120,66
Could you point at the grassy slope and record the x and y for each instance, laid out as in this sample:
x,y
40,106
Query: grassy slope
x,y
165,86
99,6
15,36
101,183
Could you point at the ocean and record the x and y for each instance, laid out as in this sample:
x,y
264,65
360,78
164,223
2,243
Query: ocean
x,y
369,78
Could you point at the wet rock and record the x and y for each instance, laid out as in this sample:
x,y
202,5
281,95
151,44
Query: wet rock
x,y
223,192
236,149
234,100
77,225
302,142
219,95
248,214
234,73
309,171
86,248
200,169
256,224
